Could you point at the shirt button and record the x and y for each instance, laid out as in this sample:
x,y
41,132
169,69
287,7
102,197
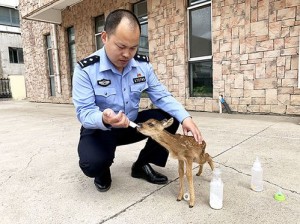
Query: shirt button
x,y
124,89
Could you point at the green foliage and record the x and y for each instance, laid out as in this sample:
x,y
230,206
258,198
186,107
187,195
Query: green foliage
x,y
203,91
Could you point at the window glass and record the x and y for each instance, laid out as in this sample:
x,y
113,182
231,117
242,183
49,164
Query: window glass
x,y
144,45
20,55
52,85
72,48
71,34
50,65
201,78
99,27
9,16
15,20
50,61
4,15
72,57
140,10
200,31
15,55
48,41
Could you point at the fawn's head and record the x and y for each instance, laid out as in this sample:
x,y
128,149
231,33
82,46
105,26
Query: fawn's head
x,y
152,127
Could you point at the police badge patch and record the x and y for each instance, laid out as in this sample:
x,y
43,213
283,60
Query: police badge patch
x,y
104,82
139,79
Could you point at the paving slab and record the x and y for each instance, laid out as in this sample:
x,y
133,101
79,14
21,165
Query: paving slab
x,y
41,182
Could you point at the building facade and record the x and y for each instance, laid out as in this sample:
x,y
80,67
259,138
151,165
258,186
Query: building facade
x,y
11,50
245,50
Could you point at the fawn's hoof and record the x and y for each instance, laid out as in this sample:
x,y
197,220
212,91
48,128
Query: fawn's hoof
x,y
178,199
191,206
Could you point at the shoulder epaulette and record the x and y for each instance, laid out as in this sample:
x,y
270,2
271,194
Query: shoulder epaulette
x,y
140,57
89,61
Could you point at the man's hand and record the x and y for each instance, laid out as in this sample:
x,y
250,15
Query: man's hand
x,y
189,125
119,120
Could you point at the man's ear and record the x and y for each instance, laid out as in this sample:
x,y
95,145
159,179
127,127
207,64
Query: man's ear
x,y
167,123
104,37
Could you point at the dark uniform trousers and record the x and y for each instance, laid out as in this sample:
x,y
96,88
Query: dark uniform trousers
x,y
96,147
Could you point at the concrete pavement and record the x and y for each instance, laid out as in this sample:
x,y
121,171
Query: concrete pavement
x,y
40,181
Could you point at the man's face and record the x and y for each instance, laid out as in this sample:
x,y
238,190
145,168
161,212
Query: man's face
x,y
121,46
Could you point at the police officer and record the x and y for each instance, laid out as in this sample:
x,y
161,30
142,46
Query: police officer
x,y
107,88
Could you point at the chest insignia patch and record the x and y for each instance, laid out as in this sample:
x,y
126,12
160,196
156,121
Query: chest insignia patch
x,y
104,82
139,80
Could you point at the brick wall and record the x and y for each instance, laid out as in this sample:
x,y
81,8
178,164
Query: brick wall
x,y
256,45
168,54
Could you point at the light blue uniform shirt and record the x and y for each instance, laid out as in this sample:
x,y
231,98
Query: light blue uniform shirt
x,y
100,85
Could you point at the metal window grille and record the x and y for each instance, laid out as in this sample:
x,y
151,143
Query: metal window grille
x,y
5,88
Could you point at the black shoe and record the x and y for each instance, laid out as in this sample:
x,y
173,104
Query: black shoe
x,y
102,187
103,183
146,172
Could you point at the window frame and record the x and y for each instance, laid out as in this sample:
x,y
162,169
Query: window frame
x,y
11,23
201,59
207,2
51,75
143,20
18,52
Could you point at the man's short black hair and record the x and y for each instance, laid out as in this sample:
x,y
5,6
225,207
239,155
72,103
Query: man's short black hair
x,y
114,18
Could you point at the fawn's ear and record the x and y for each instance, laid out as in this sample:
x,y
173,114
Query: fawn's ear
x,y
167,123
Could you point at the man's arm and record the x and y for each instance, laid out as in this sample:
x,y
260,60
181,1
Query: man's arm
x,y
87,111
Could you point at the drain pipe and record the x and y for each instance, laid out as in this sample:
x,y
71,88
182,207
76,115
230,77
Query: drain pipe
x,y
56,58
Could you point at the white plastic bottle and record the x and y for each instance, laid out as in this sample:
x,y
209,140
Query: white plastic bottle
x,y
257,176
216,190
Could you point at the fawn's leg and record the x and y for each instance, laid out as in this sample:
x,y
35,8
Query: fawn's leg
x,y
200,169
189,174
181,179
209,160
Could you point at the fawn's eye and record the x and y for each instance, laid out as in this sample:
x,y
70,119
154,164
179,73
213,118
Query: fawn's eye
x,y
150,124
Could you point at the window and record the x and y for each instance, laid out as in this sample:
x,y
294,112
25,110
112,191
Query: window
x,y
9,16
140,10
99,27
15,55
50,65
72,49
200,49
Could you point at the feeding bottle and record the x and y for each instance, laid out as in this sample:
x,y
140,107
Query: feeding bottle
x,y
257,176
216,190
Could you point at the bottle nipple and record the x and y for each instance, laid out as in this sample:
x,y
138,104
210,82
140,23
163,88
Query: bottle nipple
x,y
257,163
217,172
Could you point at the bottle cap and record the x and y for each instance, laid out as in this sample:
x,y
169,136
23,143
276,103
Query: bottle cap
x,y
217,172
279,196
186,196
257,164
